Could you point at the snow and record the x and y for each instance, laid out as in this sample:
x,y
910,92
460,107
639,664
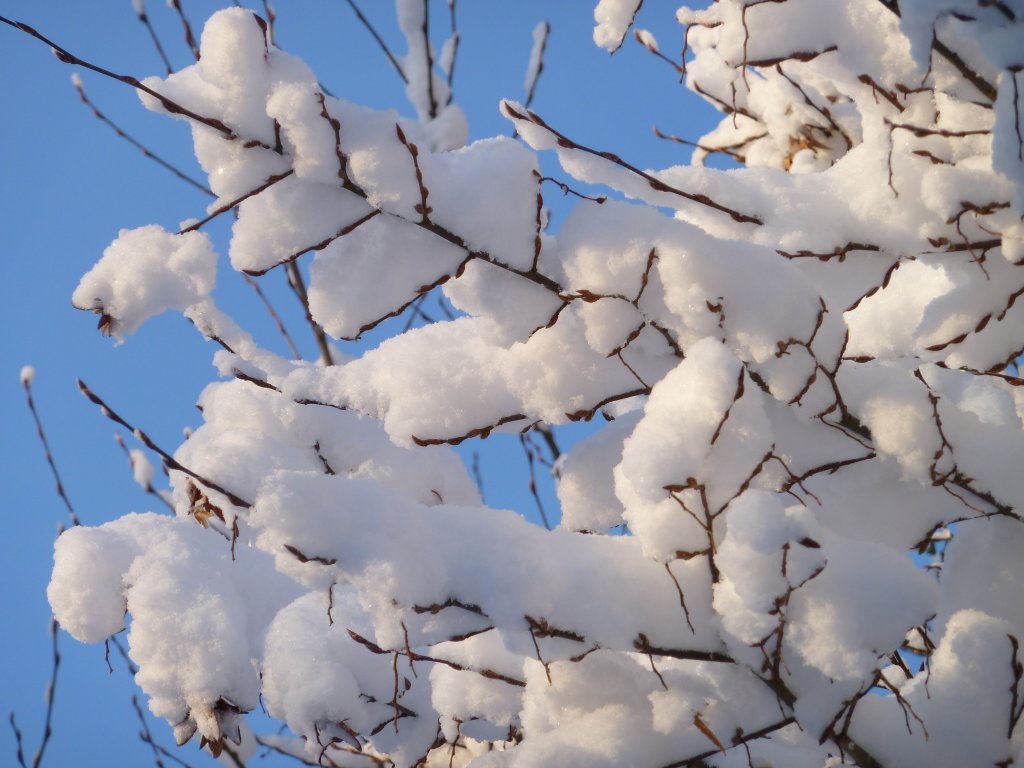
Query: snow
x,y
145,272
613,18
142,470
288,219
802,362
416,260
536,61
647,39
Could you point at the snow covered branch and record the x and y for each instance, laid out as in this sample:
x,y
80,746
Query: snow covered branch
x,y
802,363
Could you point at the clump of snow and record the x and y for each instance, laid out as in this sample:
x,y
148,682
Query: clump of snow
x,y
145,272
614,18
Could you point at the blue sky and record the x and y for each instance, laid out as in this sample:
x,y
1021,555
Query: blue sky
x,y
69,185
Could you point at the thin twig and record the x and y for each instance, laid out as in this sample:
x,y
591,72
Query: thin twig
x,y
985,87
297,285
141,13
172,107
277,318
26,382
533,480
51,693
655,183
77,82
477,476
416,311
149,486
169,460
190,39
146,736
380,41
129,664
455,38
540,44
237,201
268,9
19,741
430,60
647,43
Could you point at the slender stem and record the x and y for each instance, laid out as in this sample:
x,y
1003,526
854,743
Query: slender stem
x,y
299,286
380,41
27,384
277,318
430,61
171,106
156,42
656,184
18,740
237,201
147,441
51,692
190,39
268,9
953,58
135,143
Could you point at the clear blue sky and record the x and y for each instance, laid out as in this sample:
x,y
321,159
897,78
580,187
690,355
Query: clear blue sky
x,y
69,185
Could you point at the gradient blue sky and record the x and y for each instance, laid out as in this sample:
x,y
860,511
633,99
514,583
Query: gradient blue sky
x,y
69,185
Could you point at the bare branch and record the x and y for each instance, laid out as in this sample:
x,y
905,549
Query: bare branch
x,y
77,82
26,382
380,41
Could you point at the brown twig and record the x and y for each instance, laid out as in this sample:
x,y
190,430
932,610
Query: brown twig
x,y
146,736
51,693
169,460
298,286
425,31
190,39
730,150
490,674
26,382
271,181
533,480
567,190
77,82
149,486
277,318
141,13
542,45
345,230
380,41
455,38
656,184
740,738
482,432
18,740
171,106
653,49
271,15
983,86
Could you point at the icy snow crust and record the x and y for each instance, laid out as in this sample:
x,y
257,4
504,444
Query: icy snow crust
x,y
804,357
